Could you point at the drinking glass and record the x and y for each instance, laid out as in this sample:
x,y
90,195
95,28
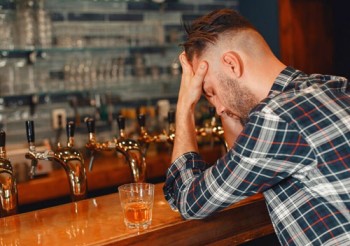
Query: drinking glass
x,y
137,202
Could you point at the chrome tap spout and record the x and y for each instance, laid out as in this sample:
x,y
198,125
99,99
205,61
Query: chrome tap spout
x,y
129,148
72,162
69,158
134,155
8,184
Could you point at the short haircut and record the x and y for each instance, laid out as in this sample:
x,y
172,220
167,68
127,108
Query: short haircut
x,y
207,28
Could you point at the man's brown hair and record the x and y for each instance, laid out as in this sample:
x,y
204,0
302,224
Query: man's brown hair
x,y
206,29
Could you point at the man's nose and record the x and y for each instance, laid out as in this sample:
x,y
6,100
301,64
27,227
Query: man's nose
x,y
220,109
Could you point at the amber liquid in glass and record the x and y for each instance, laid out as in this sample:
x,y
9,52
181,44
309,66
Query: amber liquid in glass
x,y
138,213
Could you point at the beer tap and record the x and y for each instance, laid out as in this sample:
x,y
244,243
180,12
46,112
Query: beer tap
x,y
165,136
171,130
8,184
129,148
213,129
68,157
145,139
59,129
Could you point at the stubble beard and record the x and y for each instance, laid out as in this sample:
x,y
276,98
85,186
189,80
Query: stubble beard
x,y
239,99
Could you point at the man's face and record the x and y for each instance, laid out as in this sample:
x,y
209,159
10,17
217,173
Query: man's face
x,y
229,96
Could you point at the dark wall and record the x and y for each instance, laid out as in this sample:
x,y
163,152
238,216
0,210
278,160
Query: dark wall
x,y
264,15
341,33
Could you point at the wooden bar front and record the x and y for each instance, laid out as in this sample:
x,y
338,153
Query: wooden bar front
x,y
99,221
108,170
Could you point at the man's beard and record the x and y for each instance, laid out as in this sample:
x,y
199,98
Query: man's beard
x,y
239,99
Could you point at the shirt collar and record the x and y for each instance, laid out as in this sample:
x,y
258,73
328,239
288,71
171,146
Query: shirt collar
x,y
284,81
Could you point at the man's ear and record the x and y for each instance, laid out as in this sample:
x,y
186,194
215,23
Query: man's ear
x,y
233,60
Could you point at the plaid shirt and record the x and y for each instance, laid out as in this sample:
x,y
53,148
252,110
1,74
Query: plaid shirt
x,y
295,149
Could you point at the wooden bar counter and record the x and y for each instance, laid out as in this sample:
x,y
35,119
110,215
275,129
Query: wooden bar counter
x,y
108,170
99,221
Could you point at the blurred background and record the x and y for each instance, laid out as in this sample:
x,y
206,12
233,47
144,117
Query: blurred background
x,y
102,57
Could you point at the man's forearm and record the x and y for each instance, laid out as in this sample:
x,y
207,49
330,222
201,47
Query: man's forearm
x,y
189,94
185,139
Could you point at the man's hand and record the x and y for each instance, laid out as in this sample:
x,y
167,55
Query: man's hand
x,y
191,82
189,94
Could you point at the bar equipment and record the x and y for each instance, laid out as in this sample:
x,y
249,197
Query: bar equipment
x,y
144,138
167,136
129,148
73,102
8,184
213,130
59,129
171,130
68,157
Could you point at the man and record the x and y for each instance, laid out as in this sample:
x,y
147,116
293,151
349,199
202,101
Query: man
x,y
289,135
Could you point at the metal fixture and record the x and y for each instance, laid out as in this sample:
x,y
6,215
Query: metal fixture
x,y
8,185
166,136
68,157
213,129
130,149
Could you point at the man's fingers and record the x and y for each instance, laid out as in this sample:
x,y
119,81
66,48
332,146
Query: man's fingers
x,y
186,66
200,72
192,78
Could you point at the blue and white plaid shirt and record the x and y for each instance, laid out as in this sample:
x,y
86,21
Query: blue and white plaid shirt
x,y
295,149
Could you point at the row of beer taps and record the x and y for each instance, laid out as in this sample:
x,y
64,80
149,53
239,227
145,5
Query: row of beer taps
x,y
72,160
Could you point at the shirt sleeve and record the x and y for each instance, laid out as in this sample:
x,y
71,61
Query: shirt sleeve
x,y
267,151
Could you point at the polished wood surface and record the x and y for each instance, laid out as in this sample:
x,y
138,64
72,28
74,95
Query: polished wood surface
x,y
109,170
99,221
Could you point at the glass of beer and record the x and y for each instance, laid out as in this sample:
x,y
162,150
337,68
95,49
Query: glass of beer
x,y
137,201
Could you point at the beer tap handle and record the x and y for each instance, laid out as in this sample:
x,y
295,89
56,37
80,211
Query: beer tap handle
x,y
59,130
171,116
90,123
2,144
121,125
30,131
142,120
2,138
32,152
144,138
121,122
211,111
70,128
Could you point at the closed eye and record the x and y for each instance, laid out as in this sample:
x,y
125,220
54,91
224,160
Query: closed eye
x,y
205,93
